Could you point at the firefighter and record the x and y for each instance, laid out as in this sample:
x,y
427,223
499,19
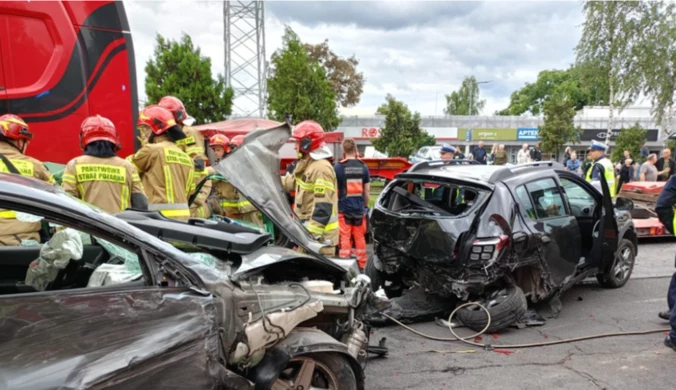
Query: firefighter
x,y
228,197
14,138
316,200
597,153
193,145
166,171
247,211
100,177
353,180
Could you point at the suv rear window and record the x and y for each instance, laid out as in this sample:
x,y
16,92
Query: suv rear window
x,y
431,197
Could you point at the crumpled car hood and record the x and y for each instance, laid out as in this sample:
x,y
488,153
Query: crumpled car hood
x,y
253,169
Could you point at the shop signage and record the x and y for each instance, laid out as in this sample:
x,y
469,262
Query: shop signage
x,y
493,134
527,134
600,135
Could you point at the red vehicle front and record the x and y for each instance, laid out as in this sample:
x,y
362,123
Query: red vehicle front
x,y
62,61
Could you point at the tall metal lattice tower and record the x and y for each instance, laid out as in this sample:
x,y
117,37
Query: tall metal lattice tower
x,y
245,63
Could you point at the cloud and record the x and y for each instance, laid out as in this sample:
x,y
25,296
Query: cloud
x,y
418,51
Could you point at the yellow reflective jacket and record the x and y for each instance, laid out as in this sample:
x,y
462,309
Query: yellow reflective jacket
x,y
168,177
316,200
13,231
105,182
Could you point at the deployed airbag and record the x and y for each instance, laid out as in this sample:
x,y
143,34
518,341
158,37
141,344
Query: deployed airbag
x,y
55,255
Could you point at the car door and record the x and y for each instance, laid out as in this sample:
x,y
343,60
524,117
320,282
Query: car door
x,y
601,226
554,232
133,334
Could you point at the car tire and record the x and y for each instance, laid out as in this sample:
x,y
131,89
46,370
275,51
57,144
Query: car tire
x,y
623,265
329,370
506,306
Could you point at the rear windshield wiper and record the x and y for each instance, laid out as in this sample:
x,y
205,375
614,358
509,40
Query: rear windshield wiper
x,y
420,202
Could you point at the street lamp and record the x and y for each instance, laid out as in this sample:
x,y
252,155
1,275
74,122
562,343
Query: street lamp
x,y
471,96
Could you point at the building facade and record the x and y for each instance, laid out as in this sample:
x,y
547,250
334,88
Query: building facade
x,y
512,131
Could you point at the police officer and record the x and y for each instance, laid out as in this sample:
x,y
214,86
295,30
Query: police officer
x,y
597,153
447,152
100,177
14,138
664,207
166,171
316,200
353,179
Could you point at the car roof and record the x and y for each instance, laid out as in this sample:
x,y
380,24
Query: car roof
x,y
468,169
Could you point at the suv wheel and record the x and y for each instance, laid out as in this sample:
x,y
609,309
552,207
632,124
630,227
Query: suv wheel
x,y
506,305
618,275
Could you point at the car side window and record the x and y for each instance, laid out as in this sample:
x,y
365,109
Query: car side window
x,y
547,199
576,192
525,203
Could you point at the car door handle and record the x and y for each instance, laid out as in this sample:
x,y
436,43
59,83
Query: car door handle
x,y
545,239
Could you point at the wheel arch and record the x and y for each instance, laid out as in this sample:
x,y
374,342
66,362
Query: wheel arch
x,y
301,341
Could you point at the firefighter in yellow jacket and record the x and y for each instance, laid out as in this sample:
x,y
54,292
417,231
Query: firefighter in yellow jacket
x,y
248,212
166,171
226,193
193,145
100,177
316,200
14,138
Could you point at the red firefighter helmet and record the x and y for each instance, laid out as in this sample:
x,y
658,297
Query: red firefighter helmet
x,y
309,135
220,140
13,127
176,107
98,128
157,118
237,140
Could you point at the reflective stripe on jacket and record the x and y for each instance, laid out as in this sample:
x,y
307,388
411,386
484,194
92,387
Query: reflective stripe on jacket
x,y
168,177
316,201
105,182
13,231
608,171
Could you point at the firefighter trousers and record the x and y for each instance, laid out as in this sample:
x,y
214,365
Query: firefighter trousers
x,y
353,233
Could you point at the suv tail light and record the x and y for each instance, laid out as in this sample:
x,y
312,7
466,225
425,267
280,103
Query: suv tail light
x,y
488,249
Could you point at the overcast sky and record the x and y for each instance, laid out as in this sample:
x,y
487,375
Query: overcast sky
x,y
417,51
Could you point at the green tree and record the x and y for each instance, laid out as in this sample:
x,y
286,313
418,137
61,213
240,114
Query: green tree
x,y
558,128
347,83
610,33
401,135
465,101
179,69
630,139
299,86
582,84
657,60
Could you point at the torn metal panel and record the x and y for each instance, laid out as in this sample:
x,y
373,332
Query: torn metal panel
x,y
287,262
253,168
138,338
423,238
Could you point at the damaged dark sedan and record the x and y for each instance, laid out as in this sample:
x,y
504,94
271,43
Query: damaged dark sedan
x,y
498,235
138,301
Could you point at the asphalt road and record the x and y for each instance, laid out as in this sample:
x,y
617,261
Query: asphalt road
x,y
631,362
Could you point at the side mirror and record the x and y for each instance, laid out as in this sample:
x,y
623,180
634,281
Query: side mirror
x,y
624,204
